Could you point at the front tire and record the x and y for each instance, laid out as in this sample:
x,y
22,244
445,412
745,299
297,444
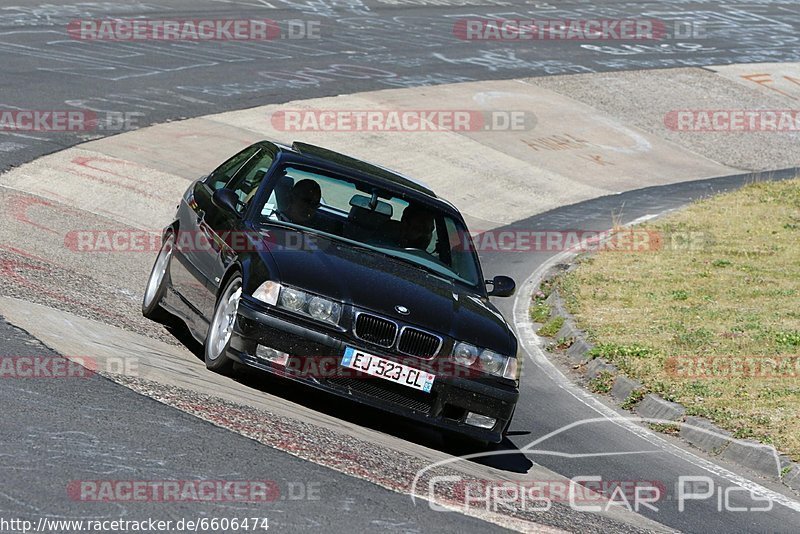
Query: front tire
x,y
220,330
158,282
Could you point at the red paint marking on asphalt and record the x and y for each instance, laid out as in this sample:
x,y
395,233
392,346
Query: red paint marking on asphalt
x,y
11,270
107,181
28,255
85,161
18,209
65,200
19,205
9,265
32,256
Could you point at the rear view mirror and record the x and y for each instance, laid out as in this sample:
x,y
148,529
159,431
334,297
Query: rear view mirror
x,y
381,207
502,286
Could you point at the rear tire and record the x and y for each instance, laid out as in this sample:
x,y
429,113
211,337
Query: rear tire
x,y
158,282
220,331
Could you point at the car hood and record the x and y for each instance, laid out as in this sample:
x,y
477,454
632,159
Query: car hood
x,y
372,281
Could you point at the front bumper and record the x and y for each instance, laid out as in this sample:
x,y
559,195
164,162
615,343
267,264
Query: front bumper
x,y
446,406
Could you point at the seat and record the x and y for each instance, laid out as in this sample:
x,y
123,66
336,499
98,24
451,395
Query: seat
x,y
253,185
363,224
283,191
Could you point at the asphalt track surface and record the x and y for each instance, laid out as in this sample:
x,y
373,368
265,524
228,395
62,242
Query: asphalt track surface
x,y
365,46
104,431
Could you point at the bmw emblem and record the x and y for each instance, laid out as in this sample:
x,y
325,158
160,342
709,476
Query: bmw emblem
x,y
402,310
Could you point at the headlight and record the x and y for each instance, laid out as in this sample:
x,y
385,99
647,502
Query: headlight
x,y
465,354
493,363
268,292
298,301
324,310
292,299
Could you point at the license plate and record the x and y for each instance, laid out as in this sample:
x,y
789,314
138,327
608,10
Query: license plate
x,y
387,369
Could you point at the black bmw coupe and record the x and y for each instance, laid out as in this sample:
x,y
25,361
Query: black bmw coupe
x,y
345,276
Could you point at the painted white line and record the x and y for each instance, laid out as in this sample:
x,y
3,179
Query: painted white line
x,y
531,344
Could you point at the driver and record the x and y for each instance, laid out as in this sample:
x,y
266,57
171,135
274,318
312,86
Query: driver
x,y
416,228
304,199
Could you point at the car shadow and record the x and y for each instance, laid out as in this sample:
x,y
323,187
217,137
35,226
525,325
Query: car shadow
x,y
372,418
180,332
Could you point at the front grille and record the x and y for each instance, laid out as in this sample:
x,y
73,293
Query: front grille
x,y
375,330
418,343
386,391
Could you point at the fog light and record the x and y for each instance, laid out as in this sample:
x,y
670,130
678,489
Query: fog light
x,y
481,421
272,355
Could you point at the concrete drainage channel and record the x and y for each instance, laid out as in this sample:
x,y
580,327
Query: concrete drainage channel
x,y
629,394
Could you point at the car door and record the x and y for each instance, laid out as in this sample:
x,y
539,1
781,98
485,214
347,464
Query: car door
x,y
223,229
191,273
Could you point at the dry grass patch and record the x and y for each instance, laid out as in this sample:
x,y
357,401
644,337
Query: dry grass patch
x,y
733,298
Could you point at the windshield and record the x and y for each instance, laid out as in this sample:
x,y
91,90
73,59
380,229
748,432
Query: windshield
x,y
362,214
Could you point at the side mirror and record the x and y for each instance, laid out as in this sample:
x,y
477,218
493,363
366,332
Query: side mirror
x,y
225,199
502,286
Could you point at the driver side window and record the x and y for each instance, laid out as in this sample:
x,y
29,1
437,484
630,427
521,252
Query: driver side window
x,y
245,184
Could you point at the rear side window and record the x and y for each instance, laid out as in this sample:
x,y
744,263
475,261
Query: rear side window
x,y
223,174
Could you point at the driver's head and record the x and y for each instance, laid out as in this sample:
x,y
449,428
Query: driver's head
x,y
417,227
304,201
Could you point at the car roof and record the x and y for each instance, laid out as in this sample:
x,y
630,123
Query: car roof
x,y
320,155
